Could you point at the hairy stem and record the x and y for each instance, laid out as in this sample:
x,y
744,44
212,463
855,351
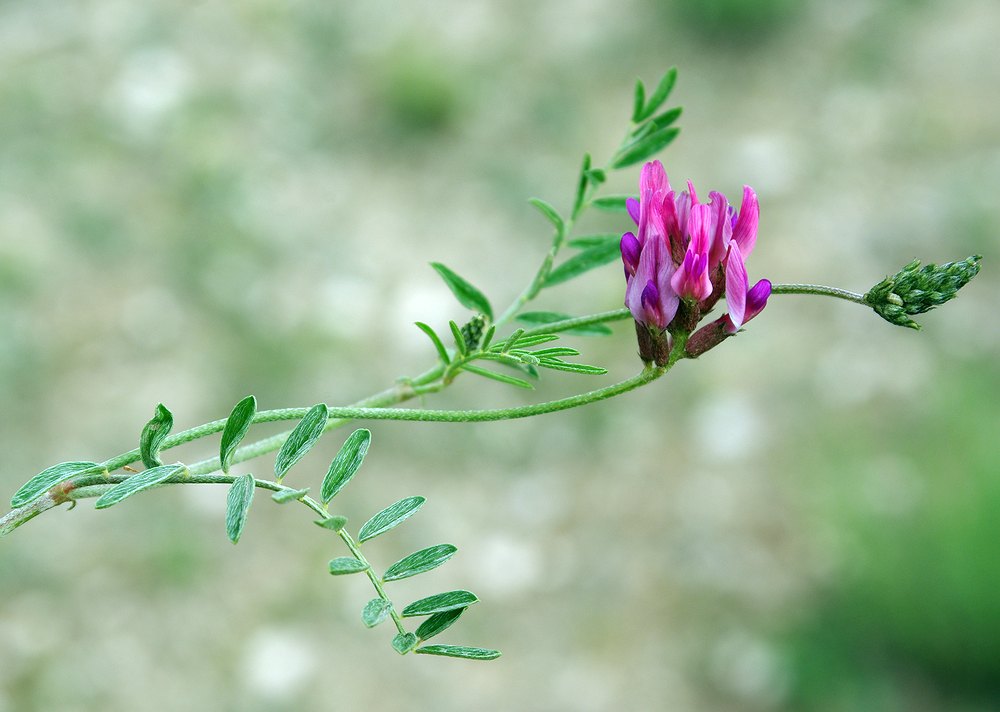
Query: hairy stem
x,y
819,290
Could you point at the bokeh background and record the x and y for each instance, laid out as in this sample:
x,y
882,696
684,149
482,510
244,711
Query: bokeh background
x,y
204,200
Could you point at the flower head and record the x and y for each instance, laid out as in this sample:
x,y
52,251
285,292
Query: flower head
x,y
684,256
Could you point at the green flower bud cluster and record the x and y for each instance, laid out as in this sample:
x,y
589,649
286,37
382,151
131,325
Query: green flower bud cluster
x,y
916,289
472,332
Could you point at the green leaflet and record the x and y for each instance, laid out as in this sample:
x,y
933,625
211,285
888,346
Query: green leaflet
x,y
582,262
611,203
375,611
645,147
466,294
289,495
404,643
419,562
551,213
438,623
237,424
238,505
301,439
137,483
343,565
436,340
346,463
439,603
50,477
390,517
334,523
153,434
459,651
659,95
545,317
501,377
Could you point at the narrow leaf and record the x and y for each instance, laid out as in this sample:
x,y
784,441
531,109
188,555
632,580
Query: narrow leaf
x,y
551,213
646,147
555,351
654,125
137,483
238,505
467,295
436,340
289,495
488,339
459,651
419,562
543,317
639,100
524,341
583,262
611,203
659,95
509,343
404,643
557,365
301,439
601,240
375,611
334,523
438,623
581,186
501,377
456,334
390,517
153,434
343,565
439,603
346,463
596,176
50,477
237,424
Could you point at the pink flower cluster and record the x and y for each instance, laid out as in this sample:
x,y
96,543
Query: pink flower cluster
x,y
685,255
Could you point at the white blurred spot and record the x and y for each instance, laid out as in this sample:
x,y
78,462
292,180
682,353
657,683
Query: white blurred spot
x,y
748,668
152,83
728,427
507,566
276,662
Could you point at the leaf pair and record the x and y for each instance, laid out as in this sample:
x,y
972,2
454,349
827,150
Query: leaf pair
x,y
651,133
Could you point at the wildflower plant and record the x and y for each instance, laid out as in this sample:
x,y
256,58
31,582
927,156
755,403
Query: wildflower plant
x,y
681,259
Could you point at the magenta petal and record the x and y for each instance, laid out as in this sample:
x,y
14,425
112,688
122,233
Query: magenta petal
x,y
632,205
653,178
736,285
745,229
630,252
721,229
757,299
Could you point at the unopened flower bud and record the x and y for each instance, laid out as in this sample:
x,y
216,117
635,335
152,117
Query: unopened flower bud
x,y
915,289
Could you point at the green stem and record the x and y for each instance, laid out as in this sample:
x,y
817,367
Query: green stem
x,y
375,580
820,290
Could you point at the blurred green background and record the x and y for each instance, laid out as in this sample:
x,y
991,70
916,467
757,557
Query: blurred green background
x,y
204,200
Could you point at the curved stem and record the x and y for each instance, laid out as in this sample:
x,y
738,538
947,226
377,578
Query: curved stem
x,y
820,290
